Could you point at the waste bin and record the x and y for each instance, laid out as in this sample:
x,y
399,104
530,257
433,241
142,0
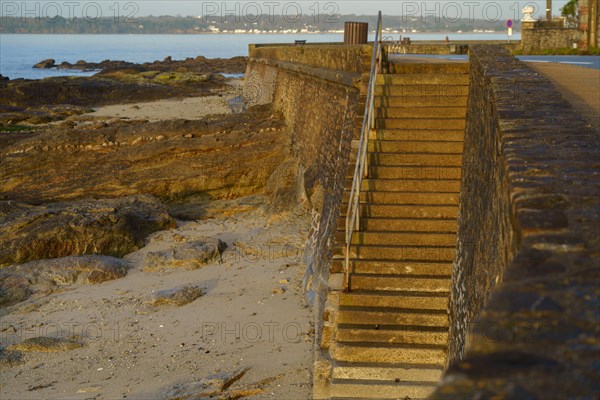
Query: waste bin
x,y
356,32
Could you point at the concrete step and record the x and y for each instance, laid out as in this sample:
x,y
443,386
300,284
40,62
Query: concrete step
x,y
419,135
420,101
399,253
400,373
409,185
366,317
400,224
405,300
428,68
414,159
404,224
420,112
422,90
421,123
406,211
356,390
401,172
401,238
420,75
440,78
400,146
409,224
388,354
399,283
395,336
406,198
378,267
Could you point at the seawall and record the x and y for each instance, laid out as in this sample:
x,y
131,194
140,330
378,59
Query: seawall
x,y
317,88
524,302
524,306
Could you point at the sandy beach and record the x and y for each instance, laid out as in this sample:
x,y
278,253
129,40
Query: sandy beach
x,y
251,316
234,325
160,110
190,108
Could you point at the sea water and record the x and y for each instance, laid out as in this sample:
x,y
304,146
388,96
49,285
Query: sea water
x,y
19,52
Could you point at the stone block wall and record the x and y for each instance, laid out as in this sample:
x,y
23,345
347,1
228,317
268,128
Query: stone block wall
x,y
349,58
535,38
317,88
486,240
526,278
440,47
321,116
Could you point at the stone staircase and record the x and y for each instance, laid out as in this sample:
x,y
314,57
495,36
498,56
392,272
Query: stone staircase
x,y
387,336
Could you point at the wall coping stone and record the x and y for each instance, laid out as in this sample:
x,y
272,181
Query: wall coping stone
x,y
341,77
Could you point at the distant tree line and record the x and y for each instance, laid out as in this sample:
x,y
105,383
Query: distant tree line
x,y
232,23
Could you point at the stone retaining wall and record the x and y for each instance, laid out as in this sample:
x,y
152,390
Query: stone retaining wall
x,y
525,283
441,48
317,88
537,38
349,58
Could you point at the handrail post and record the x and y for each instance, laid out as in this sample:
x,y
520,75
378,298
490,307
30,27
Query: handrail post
x,y
360,169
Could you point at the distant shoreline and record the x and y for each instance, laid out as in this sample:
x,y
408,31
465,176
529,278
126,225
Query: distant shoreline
x,y
21,51
257,34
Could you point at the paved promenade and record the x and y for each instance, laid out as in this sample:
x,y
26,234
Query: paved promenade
x,y
579,85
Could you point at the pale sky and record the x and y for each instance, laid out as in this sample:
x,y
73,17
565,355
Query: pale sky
x,y
499,9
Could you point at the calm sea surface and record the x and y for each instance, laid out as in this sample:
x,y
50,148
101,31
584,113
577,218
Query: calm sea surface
x,y
18,53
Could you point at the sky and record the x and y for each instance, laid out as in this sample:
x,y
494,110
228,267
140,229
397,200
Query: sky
x,y
467,9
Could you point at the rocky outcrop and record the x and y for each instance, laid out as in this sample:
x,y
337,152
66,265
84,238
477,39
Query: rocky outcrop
x,y
55,98
46,64
178,296
110,227
218,157
18,282
117,82
200,64
121,86
190,255
10,115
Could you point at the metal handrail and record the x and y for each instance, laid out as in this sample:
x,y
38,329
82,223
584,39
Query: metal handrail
x,y
352,214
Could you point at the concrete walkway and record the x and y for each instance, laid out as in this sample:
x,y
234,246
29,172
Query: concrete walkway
x,y
580,86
